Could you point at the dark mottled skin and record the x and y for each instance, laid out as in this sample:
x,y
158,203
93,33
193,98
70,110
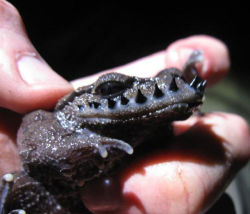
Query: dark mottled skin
x,y
90,131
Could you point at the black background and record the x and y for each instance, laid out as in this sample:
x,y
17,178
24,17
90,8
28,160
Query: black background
x,y
77,40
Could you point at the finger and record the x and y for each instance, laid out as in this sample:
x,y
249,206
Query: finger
x,y
216,61
188,176
9,159
192,180
238,140
214,67
26,82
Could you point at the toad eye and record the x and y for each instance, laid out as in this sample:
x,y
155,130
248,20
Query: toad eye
x,y
111,88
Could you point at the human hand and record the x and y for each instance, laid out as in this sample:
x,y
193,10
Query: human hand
x,y
204,156
174,181
26,83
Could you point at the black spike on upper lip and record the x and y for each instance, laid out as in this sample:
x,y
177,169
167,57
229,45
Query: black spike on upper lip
x,y
173,86
201,86
124,100
111,103
158,93
140,98
198,83
94,104
195,81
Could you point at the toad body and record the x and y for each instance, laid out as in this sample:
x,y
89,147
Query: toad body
x,y
90,132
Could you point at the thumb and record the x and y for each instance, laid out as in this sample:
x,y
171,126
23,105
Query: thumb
x,y
27,82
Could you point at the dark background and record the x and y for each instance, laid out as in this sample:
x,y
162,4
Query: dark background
x,y
77,40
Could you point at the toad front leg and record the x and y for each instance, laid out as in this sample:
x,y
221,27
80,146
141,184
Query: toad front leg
x,y
56,164
21,194
90,131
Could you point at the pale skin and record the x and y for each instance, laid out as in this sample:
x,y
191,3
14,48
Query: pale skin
x,y
178,180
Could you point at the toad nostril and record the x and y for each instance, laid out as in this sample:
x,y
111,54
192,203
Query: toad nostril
x,y
140,98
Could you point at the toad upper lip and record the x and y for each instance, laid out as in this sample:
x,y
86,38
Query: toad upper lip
x,y
156,95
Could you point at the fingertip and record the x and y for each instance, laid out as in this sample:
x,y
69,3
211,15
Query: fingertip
x,y
179,127
234,130
216,56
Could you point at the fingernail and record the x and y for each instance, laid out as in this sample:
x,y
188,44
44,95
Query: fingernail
x,y
184,53
202,66
178,57
34,71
